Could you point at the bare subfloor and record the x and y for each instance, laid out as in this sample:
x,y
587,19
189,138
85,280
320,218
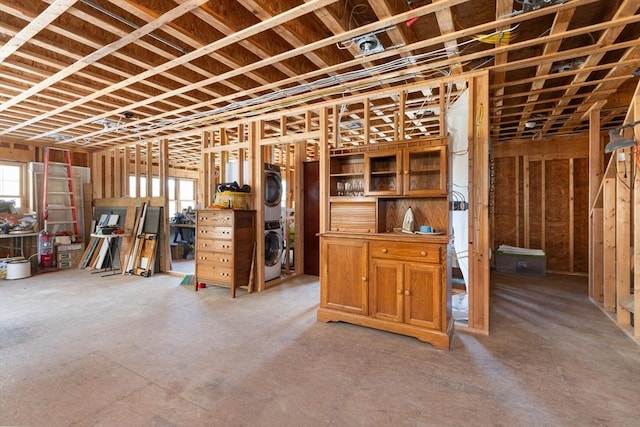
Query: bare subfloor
x,y
80,349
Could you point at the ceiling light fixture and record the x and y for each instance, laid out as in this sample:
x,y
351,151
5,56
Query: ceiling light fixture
x,y
529,5
568,65
619,142
530,124
369,44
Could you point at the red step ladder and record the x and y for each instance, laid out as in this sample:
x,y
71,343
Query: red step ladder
x,y
59,211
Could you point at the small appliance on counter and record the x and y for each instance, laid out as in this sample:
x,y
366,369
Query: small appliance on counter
x,y
408,222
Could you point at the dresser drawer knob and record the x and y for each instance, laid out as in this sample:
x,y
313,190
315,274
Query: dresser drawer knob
x,y
407,293
385,250
423,253
399,291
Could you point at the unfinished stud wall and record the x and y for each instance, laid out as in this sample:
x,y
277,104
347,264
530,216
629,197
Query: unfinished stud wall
x,y
541,200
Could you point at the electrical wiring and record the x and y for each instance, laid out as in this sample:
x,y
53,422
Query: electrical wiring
x,y
313,86
498,37
623,179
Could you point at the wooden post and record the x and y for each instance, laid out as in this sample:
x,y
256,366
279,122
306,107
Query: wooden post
x,y
609,262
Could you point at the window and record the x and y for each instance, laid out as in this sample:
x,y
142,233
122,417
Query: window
x,y
11,183
155,186
181,194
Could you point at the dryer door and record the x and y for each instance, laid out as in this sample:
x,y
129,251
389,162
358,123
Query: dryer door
x,y
272,188
273,247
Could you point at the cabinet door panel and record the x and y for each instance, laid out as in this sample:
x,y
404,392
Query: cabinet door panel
x,y
422,288
383,173
344,275
425,171
386,290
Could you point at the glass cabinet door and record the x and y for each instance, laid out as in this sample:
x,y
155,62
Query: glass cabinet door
x,y
383,173
425,171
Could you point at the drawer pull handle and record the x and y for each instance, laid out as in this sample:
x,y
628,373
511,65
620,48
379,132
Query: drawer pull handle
x,y
407,293
399,291
385,250
423,253
364,278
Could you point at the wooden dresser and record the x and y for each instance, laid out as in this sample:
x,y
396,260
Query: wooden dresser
x,y
224,247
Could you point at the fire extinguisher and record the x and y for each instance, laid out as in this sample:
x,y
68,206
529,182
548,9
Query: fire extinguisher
x,y
45,249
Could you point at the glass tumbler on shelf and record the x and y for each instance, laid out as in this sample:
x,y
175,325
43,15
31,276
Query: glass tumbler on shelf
x,y
340,188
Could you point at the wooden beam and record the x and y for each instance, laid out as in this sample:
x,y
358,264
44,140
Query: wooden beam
x,y
622,235
609,251
572,231
527,207
543,204
53,11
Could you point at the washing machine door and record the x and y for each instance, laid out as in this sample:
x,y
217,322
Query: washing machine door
x,y
273,247
272,187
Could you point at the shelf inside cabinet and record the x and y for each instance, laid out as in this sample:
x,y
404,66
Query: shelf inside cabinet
x,y
347,175
426,210
425,171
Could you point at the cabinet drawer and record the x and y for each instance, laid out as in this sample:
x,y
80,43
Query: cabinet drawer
x,y
421,252
208,245
219,259
213,273
215,232
215,218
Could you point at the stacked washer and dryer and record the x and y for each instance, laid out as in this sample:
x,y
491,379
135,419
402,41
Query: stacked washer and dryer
x,y
273,234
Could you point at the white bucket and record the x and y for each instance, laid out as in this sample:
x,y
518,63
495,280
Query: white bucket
x,y
18,269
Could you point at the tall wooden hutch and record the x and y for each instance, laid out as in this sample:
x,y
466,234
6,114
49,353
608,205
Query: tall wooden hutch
x,y
372,272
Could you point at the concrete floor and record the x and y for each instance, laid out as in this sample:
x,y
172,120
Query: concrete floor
x,y
82,350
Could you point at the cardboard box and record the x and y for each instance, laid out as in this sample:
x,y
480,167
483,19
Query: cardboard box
x,y
521,264
177,251
72,256
67,264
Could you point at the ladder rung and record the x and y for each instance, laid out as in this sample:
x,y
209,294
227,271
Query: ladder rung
x,y
61,222
58,163
58,193
59,178
51,208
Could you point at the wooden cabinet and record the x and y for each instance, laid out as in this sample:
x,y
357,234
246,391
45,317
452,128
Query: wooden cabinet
x,y
406,281
224,246
388,282
344,269
371,190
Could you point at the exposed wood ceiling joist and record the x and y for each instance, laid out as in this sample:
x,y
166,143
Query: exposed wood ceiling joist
x,y
71,69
